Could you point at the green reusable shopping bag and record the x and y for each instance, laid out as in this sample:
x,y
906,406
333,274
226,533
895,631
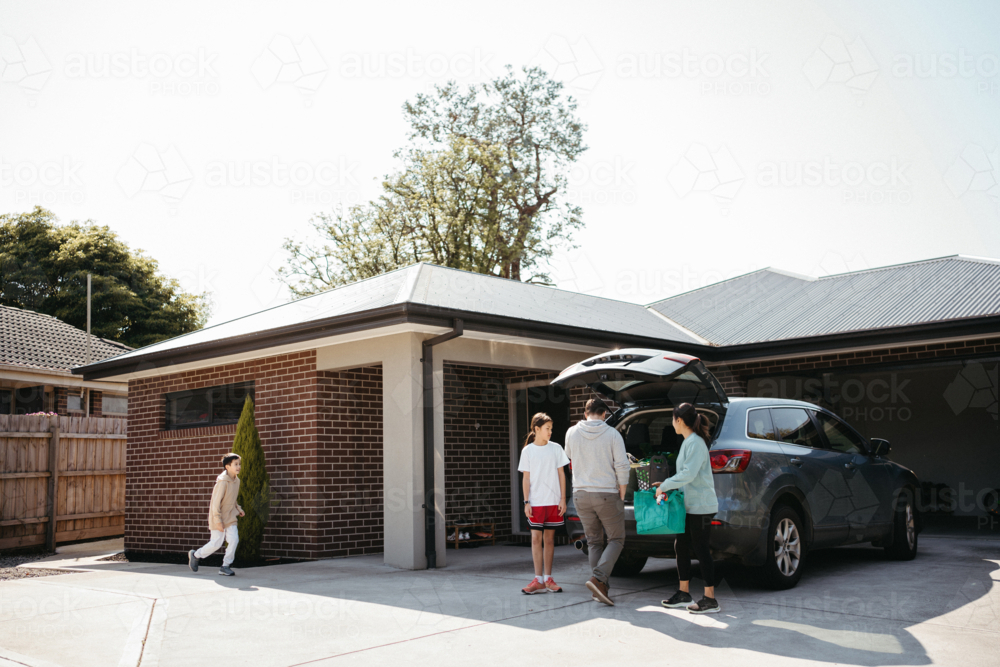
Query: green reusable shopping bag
x,y
664,519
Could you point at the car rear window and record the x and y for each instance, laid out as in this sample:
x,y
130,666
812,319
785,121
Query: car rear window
x,y
759,424
794,426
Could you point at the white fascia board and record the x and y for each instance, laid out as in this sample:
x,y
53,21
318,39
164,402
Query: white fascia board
x,y
20,374
350,338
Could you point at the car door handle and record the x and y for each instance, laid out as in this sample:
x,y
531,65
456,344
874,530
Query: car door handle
x,y
796,461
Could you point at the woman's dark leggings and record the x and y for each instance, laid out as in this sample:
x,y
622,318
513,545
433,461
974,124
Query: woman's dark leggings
x,y
697,530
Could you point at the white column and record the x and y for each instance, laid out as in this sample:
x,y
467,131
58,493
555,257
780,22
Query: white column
x,y
402,452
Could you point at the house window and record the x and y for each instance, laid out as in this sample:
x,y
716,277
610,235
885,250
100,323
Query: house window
x,y
74,403
115,405
6,401
209,406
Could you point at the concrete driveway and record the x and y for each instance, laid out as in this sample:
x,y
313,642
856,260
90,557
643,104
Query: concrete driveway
x,y
851,607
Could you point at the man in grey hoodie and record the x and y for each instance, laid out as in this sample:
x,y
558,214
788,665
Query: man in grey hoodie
x,y
600,476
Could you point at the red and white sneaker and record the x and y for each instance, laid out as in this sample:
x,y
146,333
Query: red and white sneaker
x,y
534,587
551,586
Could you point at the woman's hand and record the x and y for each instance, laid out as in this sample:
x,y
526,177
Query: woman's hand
x,y
527,510
562,507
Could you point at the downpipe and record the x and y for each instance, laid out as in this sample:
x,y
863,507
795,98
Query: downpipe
x,y
430,547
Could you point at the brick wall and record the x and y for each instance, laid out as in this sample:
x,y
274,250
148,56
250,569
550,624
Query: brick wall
x,y
477,450
96,403
170,474
350,463
477,445
734,376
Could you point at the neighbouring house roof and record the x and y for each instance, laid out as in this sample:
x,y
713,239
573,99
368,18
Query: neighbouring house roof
x,y
36,341
771,305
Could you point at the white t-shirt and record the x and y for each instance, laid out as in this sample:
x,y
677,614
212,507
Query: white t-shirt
x,y
542,465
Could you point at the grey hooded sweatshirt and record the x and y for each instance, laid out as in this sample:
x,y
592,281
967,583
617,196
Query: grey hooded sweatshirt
x,y
597,453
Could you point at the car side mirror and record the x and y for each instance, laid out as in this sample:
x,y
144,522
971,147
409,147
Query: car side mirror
x,y
880,447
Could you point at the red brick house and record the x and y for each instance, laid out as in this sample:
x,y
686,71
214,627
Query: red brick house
x,y
358,387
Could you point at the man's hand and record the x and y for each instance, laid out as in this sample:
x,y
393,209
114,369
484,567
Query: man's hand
x,y
621,491
527,510
562,507
242,513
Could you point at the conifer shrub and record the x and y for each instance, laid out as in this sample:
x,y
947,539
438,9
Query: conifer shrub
x,y
255,486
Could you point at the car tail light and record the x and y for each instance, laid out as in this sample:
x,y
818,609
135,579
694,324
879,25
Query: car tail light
x,y
729,460
716,523
574,518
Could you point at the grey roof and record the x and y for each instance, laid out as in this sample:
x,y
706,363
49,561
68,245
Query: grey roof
x,y
39,341
770,305
431,285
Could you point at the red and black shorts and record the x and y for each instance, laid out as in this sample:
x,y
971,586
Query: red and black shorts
x,y
545,517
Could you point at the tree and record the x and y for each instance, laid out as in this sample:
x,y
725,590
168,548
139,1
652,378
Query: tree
x,y
255,485
44,267
483,187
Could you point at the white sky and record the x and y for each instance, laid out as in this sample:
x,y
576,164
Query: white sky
x,y
829,92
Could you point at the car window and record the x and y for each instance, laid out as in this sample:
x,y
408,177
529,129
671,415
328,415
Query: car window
x,y
759,424
840,436
793,425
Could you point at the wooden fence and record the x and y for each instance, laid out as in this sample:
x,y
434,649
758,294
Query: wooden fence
x,y
61,479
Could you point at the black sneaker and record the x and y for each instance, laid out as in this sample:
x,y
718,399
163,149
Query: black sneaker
x,y
678,599
705,606
192,561
226,571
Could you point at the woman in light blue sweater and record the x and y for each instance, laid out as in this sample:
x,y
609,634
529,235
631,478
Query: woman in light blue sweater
x,y
694,476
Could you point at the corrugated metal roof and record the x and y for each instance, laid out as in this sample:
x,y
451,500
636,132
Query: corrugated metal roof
x,y
446,288
770,305
477,293
36,340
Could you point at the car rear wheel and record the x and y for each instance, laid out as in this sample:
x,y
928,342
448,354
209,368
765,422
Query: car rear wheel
x,y
786,549
629,564
904,532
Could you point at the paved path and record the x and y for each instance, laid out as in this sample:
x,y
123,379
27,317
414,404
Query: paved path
x,y
852,607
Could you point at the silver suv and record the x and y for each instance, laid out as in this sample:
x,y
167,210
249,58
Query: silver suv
x,y
790,476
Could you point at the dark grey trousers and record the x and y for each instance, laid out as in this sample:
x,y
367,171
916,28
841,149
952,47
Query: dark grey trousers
x,y
602,513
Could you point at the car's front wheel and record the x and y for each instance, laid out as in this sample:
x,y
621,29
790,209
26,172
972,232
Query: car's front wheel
x,y
629,564
786,549
904,532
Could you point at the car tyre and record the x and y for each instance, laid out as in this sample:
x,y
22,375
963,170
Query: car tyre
x,y
786,549
904,532
629,564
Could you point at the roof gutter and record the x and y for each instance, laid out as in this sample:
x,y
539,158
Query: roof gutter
x,y
429,505
961,328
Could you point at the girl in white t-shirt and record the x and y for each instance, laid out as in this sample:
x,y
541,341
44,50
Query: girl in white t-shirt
x,y
544,486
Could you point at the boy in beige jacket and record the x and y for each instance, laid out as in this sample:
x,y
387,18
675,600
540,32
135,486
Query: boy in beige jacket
x,y
222,515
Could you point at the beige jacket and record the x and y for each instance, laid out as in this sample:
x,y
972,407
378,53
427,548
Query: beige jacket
x,y
223,510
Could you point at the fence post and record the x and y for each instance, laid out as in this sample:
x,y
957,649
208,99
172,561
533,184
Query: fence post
x,y
50,529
